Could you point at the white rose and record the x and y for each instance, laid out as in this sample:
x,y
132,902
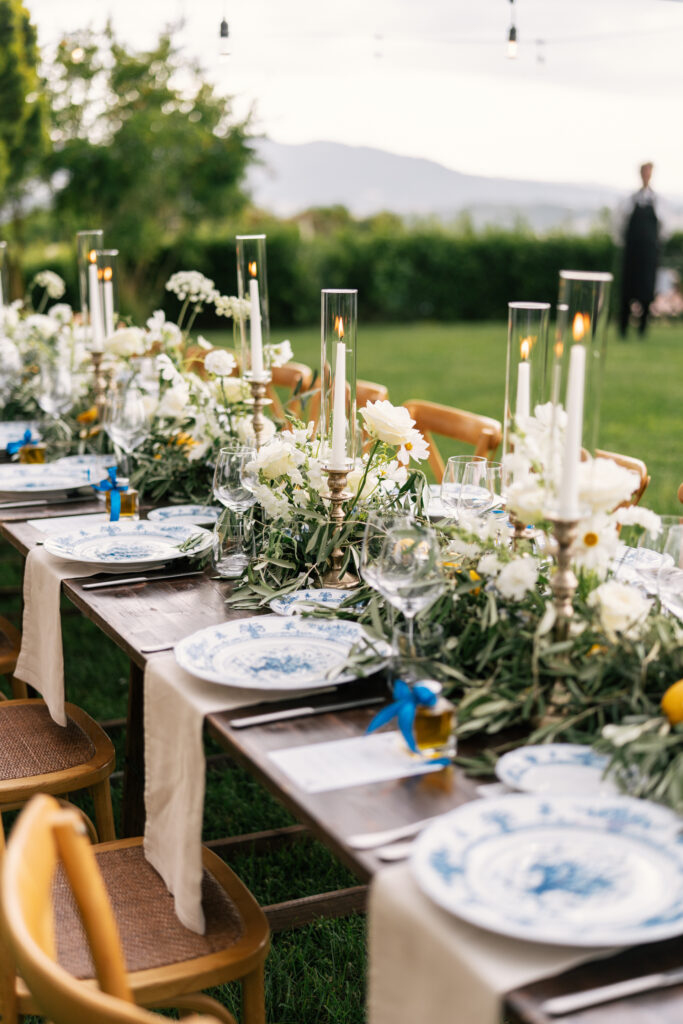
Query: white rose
x,y
128,342
174,401
219,362
634,515
517,577
389,423
277,459
604,484
622,608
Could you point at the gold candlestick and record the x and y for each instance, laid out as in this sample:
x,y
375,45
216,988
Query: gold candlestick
x,y
564,582
259,400
100,383
519,530
336,481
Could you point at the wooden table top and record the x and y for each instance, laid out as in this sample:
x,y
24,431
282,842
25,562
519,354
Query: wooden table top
x,y
164,612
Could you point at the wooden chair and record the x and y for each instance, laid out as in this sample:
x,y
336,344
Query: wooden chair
x,y
366,391
680,493
39,756
482,432
296,378
48,861
10,645
635,465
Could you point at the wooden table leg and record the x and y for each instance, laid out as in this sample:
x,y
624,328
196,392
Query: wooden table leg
x,y
133,810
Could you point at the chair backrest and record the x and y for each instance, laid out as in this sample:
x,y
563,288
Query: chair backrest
x,y
482,432
297,378
366,391
635,465
45,836
680,493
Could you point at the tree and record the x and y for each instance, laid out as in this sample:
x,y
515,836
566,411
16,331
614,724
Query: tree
x,y
145,147
23,125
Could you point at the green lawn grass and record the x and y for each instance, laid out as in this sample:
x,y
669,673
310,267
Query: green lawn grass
x,y
464,365
316,975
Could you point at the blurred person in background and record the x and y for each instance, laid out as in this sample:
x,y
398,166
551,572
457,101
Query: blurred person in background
x,y
640,231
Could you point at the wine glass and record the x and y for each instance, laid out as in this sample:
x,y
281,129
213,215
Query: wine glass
x,y
480,488
234,478
451,484
126,421
377,528
408,571
55,396
670,574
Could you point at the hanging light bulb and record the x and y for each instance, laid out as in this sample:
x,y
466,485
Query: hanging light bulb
x,y
224,34
512,34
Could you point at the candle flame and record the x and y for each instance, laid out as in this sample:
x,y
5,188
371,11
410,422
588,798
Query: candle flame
x,y
525,348
107,273
252,268
339,326
581,326
92,256
559,348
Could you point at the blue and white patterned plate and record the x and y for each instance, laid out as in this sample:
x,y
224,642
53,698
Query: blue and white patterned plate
x,y
95,466
273,653
556,769
565,870
302,600
131,544
41,480
14,430
198,515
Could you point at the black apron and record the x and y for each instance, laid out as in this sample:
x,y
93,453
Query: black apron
x,y
640,255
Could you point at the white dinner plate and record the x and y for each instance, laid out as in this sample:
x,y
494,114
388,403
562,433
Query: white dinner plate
x,y
14,430
568,870
95,466
302,600
198,515
274,652
556,769
130,543
42,480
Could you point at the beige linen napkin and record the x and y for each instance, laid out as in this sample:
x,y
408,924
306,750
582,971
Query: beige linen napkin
x,y
41,659
427,965
175,706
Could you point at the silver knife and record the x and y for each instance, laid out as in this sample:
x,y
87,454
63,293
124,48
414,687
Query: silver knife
x,y
34,503
305,712
560,1005
122,581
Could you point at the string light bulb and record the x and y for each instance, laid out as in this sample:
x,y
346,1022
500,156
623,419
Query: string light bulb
x,y
512,34
224,35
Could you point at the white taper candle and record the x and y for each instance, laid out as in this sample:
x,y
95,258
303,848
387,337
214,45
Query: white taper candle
x,y
96,322
338,454
569,484
255,330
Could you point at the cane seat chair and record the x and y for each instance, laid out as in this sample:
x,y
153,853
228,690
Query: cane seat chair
x,y
51,882
10,645
482,432
296,378
39,756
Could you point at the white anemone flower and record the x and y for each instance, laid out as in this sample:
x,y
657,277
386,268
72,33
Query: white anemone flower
x,y
596,544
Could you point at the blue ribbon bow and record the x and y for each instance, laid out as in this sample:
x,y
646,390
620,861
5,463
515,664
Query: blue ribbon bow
x,y
14,446
404,708
110,484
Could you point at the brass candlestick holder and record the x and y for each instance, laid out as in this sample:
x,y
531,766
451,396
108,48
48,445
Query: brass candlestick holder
x,y
336,481
100,383
259,400
519,531
564,582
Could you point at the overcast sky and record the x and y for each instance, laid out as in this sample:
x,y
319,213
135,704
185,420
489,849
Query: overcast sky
x,y
601,92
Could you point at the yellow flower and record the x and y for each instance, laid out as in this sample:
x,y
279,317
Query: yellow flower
x,y
672,703
89,416
184,439
474,576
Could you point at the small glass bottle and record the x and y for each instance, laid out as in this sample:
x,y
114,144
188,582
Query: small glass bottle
x,y
33,453
130,506
434,726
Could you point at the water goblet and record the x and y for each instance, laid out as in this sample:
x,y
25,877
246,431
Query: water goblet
x,y
126,421
451,483
479,488
670,574
55,396
234,477
377,529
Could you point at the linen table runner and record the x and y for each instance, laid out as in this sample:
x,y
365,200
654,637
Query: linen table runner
x,y
426,965
41,659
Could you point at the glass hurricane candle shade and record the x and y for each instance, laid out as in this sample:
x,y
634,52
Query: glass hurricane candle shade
x,y
108,282
526,372
4,276
338,328
88,243
252,286
582,314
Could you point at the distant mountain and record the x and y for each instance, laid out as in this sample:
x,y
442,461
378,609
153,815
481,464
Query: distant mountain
x,y
292,178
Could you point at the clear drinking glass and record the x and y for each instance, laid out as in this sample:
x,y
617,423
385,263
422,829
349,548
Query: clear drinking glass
x,y
451,483
126,421
377,529
408,571
670,574
55,396
480,487
233,480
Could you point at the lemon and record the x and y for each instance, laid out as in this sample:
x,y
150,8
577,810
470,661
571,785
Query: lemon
x,y
672,703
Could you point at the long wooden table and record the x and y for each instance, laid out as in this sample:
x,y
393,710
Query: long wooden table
x,y
160,613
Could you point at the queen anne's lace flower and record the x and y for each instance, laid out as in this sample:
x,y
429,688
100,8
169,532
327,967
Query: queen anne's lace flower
x,y
51,282
231,306
190,284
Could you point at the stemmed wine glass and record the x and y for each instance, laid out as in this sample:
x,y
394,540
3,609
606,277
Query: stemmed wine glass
x,y
234,478
126,421
408,572
56,389
377,529
670,574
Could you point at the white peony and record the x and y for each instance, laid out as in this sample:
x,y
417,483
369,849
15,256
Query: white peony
x,y
219,362
596,544
604,484
527,500
623,609
389,423
128,342
518,577
278,459
634,515
174,401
